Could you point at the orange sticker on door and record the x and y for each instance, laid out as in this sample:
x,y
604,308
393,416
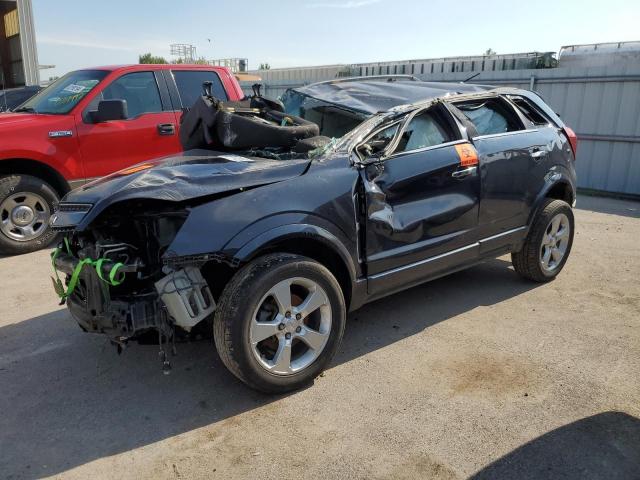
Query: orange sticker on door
x,y
468,155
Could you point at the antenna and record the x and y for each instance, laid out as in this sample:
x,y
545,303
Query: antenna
x,y
471,77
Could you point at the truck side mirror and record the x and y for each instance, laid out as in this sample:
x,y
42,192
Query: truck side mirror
x,y
111,110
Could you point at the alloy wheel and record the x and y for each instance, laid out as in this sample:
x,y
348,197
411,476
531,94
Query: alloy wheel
x,y
555,242
291,326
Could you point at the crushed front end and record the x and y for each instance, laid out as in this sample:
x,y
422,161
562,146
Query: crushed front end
x,y
116,282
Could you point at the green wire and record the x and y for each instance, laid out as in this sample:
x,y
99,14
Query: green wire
x,y
115,278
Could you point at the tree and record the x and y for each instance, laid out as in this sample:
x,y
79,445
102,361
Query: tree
x,y
265,66
148,58
490,51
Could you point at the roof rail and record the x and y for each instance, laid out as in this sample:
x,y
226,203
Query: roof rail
x,y
389,78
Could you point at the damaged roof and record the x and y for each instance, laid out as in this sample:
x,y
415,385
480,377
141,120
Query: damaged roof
x,y
379,94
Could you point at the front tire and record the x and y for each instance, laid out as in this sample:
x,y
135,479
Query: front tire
x,y
279,322
547,247
26,204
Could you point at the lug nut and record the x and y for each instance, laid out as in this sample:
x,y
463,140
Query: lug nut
x,y
298,330
287,336
281,326
288,314
298,316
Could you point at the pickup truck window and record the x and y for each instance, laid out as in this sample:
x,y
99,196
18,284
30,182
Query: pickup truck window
x,y
65,93
189,83
139,89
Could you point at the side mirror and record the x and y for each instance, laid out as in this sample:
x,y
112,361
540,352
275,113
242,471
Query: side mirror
x,y
111,110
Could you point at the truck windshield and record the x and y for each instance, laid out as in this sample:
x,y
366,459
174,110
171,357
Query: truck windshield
x,y
64,94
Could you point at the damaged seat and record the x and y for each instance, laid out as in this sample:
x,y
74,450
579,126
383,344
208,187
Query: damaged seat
x,y
253,123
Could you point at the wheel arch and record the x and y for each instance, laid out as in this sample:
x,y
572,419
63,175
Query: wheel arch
x,y
559,186
309,241
561,190
34,168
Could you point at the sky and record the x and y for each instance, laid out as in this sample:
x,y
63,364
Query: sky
x,y
74,34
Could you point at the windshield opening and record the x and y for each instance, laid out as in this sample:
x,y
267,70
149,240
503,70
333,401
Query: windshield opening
x,y
65,93
334,121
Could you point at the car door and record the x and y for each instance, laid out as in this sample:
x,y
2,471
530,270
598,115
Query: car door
x,y
148,132
505,149
421,202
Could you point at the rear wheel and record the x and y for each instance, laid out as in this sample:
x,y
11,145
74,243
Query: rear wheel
x,y
279,322
548,244
26,204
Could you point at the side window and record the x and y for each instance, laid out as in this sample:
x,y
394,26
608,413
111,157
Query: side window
x,y
424,130
139,89
530,111
378,141
189,83
491,116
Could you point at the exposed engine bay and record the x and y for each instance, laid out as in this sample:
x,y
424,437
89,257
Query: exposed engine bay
x,y
117,283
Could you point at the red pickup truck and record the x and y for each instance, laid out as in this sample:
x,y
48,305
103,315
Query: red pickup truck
x,y
87,124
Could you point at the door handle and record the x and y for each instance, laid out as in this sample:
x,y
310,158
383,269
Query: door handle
x,y
166,129
539,154
465,172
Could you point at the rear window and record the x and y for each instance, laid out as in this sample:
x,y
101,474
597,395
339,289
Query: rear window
x,y
530,111
189,83
491,116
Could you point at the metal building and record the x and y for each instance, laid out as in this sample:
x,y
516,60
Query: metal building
x,y
18,54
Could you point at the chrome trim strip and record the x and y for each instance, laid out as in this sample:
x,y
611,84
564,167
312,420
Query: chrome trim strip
x,y
508,232
446,254
426,149
504,134
422,262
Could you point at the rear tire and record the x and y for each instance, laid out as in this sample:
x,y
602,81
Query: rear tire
x,y
26,204
548,244
279,322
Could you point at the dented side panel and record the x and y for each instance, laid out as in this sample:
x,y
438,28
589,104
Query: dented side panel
x,y
416,208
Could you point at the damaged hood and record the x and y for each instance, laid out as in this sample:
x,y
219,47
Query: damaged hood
x,y
190,175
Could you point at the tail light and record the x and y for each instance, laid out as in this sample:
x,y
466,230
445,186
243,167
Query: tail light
x,y
573,139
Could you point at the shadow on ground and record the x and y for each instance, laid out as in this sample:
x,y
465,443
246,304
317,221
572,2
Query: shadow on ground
x,y
66,399
611,206
606,445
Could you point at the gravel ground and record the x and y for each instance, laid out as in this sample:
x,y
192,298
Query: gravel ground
x,y
479,374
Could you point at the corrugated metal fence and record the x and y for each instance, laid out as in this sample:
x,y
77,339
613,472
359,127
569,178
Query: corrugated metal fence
x,y
601,104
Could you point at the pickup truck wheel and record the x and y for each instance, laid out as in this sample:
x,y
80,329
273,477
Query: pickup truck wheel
x,y
279,322
26,204
548,244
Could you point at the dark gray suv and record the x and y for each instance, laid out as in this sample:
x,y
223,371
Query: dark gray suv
x,y
269,247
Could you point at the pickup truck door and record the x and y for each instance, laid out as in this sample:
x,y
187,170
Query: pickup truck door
x,y
150,131
421,203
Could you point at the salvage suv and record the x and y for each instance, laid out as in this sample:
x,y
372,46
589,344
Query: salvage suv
x,y
85,125
273,246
